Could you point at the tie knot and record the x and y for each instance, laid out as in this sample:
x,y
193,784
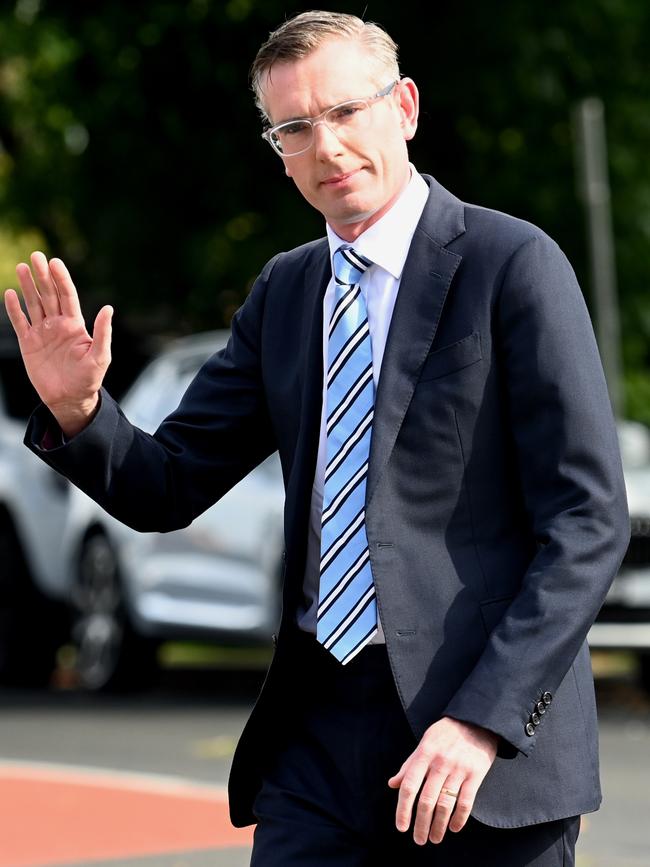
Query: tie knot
x,y
349,266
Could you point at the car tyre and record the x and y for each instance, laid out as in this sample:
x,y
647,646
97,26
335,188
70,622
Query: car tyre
x,y
644,671
110,655
32,626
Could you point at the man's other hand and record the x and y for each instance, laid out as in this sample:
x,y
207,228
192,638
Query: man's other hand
x,y
443,775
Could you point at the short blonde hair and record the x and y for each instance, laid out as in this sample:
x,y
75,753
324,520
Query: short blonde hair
x,y
304,33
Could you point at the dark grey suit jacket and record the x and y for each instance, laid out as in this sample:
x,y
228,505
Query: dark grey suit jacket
x,y
496,512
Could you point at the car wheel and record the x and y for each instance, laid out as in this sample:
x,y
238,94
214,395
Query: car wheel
x,y
110,656
644,671
32,626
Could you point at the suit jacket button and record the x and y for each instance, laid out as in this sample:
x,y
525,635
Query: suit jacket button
x,y
547,698
540,707
530,729
535,719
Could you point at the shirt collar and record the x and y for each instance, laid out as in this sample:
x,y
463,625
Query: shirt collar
x,y
387,242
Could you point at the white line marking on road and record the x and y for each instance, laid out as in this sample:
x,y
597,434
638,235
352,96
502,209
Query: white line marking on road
x,y
89,776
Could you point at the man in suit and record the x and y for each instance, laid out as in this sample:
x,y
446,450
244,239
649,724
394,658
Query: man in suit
x,y
448,698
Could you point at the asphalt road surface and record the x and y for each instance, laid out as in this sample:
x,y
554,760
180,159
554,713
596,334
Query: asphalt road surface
x,y
177,742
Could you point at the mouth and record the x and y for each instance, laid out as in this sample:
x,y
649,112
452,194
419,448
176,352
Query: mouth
x,y
339,180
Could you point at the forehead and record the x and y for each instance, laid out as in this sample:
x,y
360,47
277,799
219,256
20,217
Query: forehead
x,y
335,71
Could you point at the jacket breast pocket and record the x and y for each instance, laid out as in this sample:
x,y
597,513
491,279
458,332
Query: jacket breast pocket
x,y
449,359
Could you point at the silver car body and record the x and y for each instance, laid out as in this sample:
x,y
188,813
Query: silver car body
x,y
624,621
218,578
34,497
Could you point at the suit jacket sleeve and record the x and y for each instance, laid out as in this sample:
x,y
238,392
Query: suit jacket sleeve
x,y
219,432
565,454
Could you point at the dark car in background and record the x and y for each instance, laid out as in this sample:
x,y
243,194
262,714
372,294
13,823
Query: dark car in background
x,y
34,507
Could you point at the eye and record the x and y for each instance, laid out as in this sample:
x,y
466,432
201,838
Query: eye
x,y
291,129
347,111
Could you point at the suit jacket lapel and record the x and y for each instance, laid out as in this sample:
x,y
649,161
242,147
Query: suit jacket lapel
x,y
317,273
426,278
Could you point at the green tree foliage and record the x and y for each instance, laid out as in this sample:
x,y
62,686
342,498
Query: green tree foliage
x,y
129,140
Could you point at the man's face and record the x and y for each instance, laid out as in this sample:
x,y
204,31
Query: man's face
x,y
351,181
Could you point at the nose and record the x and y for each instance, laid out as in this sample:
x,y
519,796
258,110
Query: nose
x,y
326,142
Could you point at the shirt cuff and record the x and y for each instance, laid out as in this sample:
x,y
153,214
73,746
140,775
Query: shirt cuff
x,y
53,438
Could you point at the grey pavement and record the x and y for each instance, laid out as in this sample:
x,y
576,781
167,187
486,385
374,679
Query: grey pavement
x,y
618,835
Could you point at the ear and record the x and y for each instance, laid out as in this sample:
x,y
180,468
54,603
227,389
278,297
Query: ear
x,y
409,106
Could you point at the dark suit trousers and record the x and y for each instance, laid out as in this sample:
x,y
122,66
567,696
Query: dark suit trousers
x,y
325,801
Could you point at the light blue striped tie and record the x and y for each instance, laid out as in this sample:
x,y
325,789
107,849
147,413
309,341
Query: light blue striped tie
x,y
347,605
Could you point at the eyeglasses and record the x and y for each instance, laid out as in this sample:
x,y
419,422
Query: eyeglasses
x,y
345,119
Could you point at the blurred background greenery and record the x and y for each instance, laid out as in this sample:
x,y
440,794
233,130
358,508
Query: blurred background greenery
x,y
129,142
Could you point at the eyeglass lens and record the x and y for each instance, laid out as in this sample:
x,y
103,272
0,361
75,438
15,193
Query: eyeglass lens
x,y
292,138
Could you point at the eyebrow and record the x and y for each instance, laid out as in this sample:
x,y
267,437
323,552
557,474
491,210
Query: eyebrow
x,y
310,116
297,117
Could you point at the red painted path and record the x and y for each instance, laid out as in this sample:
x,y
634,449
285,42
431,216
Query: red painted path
x,y
53,815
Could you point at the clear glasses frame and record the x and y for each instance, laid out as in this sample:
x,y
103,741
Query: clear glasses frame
x,y
308,124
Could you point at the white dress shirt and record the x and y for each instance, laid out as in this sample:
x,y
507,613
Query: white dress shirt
x,y
386,243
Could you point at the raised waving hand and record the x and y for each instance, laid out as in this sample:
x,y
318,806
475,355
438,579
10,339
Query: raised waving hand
x,y
64,363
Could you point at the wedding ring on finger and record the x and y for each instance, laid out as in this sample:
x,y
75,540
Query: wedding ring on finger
x,y
445,791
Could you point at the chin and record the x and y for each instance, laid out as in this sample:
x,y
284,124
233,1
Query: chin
x,y
351,209
356,216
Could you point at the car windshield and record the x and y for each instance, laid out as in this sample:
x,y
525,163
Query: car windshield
x,y
159,389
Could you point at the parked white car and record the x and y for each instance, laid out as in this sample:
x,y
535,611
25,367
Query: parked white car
x,y
219,579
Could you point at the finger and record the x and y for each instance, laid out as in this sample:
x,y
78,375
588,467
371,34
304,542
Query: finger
x,y
408,791
427,803
30,294
102,331
464,804
16,316
68,297
46,285
446,805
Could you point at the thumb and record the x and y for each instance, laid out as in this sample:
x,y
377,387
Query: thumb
x,y
396,780
102,331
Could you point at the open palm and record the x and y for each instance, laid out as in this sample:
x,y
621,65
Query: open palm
x,y
65,364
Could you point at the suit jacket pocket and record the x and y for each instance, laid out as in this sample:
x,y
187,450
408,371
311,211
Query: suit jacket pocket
x,y
492,610
449,359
